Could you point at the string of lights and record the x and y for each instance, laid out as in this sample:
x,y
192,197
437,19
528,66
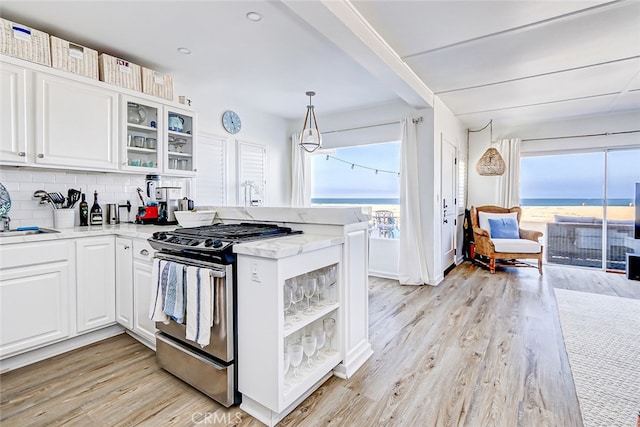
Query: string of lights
x,y
356,165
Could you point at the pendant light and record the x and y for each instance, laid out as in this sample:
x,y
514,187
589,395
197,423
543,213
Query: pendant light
x,y
491,163
310,138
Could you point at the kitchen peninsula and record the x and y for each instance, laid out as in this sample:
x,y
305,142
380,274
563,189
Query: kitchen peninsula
x,y
331,237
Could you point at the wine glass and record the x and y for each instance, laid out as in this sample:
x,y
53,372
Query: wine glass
x,y
287,363
297,297
318,332
287,295
309,347
329,325
322,286
295,354
332,276
310,283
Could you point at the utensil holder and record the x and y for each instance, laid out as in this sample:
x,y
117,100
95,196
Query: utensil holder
x,y
64,218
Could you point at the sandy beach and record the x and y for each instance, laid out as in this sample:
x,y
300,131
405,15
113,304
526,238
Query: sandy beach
x,y
535,217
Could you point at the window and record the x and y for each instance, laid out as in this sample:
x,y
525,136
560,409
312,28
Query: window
x,y
359,175
252,163
586,215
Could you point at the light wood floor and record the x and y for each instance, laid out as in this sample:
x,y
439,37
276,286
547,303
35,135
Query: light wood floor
x,y
478,350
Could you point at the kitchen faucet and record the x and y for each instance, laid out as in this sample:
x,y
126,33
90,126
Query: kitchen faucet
x,y
5,222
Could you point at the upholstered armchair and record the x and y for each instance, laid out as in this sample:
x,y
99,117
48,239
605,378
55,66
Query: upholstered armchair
x,y
498,236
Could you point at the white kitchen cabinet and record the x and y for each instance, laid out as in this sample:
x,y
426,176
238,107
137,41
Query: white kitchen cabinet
x,y
76,124
35,284
124,282
141,135
95,282
180,140
268,394
14,132
142,288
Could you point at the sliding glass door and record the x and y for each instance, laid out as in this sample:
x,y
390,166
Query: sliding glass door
x,y
583,203
623,171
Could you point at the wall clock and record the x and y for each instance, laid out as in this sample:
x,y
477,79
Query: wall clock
x,y
231,121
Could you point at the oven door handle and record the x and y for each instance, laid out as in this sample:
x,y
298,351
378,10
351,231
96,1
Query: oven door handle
x,y
214,272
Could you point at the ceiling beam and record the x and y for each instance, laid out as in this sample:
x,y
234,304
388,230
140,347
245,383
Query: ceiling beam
x,y
344,26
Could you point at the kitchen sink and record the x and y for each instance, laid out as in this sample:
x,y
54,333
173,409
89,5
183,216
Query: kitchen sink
x,y
14,233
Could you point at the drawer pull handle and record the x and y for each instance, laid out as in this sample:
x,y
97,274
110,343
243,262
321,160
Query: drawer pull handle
x,y
144,252
40,156
126,247
22,154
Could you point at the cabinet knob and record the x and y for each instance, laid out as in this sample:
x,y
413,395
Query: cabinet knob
x,y
126,247
144,252
22,153
40,156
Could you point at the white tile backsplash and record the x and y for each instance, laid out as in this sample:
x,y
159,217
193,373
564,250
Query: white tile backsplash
x,y
112,188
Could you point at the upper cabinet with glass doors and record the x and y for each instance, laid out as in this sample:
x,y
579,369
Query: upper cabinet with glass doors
x,y
141,141
180,154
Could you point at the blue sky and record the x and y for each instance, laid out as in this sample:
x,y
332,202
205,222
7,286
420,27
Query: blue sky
x,y
559,176
579,175
334,179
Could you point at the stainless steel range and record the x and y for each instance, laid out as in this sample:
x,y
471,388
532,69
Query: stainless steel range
x,y
210,368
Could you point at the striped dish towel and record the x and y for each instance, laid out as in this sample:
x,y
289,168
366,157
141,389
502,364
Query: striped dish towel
x,y
156,311
199,305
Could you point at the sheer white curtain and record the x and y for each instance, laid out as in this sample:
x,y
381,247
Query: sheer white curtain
x,y
298,184
413,261
510,180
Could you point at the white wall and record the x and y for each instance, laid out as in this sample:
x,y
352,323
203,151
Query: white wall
x,y
258,128
23,182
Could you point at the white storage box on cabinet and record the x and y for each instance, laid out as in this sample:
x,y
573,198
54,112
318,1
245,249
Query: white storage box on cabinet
x,y
120,72
74,58
95,282
157,84
262,337
35,282
24,42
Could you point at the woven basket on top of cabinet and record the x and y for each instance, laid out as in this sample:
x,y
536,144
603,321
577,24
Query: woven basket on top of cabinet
x,y
74,58
120,72
24,42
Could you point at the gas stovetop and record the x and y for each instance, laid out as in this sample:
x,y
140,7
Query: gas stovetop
x,y
215,238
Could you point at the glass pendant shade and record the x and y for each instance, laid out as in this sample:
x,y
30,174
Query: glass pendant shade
x,y
310,138
491,163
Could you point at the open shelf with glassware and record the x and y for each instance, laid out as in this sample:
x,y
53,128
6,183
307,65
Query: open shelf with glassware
x,y
180,153
270,331
143,140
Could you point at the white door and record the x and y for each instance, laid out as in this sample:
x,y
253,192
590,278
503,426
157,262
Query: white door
x,y
448,208
211,181
252,172
142,289
96,282
14,118
76,124
124,282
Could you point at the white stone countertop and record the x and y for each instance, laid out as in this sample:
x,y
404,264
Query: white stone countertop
x,y
135,231
283,247
326,215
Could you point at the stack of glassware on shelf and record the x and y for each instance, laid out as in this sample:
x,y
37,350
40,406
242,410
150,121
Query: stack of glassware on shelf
x,y
310,309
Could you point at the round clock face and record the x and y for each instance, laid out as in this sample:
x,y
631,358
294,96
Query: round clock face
x,y
231,122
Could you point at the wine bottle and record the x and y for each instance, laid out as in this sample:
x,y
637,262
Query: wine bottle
x,y
84,211
96,211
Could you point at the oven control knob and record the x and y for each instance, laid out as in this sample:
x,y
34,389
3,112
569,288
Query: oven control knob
x,y
217,243
208,242
159,235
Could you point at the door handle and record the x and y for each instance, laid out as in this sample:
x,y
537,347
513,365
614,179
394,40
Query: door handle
x,y
445,221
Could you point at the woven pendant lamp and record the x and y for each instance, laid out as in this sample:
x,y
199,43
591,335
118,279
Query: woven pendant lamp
x,y
491,163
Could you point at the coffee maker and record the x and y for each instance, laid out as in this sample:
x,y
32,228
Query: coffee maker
x,y
167,198
149,212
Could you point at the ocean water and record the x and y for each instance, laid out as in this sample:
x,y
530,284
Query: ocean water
x,y
575,202
355,201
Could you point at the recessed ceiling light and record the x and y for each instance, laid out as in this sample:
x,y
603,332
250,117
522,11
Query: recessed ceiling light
x,y
254,16
184,50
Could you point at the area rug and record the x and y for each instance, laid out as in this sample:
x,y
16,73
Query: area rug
x,y
602,337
